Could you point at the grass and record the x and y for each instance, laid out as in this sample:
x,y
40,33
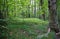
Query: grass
x,y
27,28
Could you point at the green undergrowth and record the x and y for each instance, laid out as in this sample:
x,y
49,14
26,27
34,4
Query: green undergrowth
x,y
26,28
28,21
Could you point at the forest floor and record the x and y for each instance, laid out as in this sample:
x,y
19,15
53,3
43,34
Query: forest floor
x,y
28,28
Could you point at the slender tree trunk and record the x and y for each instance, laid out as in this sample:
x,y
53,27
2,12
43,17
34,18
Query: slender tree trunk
x,y
28,11
41,4
53,22
34,8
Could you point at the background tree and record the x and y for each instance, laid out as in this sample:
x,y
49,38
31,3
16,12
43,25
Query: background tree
x,y
43,12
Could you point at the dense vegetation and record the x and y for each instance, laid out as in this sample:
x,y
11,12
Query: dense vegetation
x,y
28,19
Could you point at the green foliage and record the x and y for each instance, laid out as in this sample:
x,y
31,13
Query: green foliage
x,y
22,8
29,25
26,28
28,21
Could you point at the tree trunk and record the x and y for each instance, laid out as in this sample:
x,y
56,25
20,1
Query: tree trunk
x,y
3,12
53,22
35,8
41,4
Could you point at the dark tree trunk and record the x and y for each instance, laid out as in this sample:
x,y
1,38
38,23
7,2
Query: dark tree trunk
x,y
28,11
1,15
3,23
41,4
43,16
53,22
